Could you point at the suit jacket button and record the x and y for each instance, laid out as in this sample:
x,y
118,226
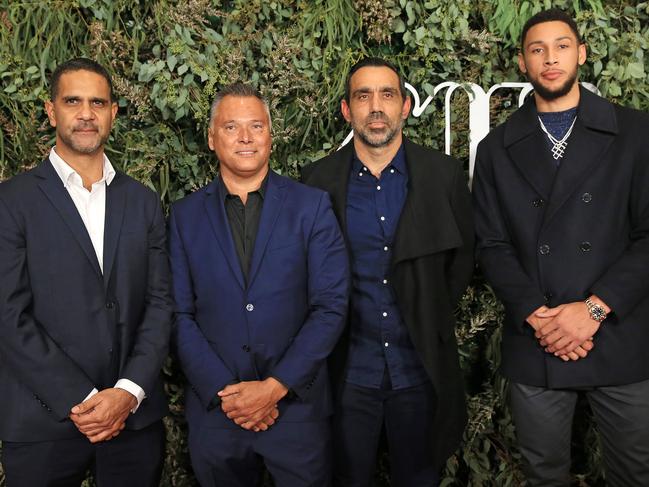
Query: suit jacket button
x,y
110,305
586,197
538,202
585,246
246,348
544,249
249,307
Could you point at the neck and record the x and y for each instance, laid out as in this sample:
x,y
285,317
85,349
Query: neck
x,y
377,158
89,166
566,102
242,184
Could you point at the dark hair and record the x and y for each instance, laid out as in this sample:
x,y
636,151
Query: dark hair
x,y
375,62
238,89
550,15
79,64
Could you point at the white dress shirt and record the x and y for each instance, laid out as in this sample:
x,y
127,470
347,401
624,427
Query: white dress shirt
x,y
91,206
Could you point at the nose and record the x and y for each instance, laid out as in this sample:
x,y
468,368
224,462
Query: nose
x,y
244,135
375,102
550,57
85,111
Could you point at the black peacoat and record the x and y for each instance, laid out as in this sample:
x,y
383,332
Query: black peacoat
x,y
548,235
431,267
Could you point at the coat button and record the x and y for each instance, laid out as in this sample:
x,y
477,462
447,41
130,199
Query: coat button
x,y
249,307
110,305
548,296
245,348
544,249
586,197
585,246
538,202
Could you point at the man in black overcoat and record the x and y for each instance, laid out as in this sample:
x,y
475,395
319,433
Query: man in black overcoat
x,y
405,212
561,202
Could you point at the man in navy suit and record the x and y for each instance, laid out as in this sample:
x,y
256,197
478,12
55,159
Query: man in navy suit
x,y
260,277
85,306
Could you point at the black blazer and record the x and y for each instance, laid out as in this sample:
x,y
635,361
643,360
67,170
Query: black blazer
x,y
553,236
66,328
432,265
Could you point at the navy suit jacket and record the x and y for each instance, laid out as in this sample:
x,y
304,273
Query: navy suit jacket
x,y
66,328
283,324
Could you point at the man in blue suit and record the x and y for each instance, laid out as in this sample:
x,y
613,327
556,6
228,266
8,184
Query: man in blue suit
x,y
85,305
260,277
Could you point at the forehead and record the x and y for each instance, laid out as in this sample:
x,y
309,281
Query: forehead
x,y
374,77
83,83
240,108
549,32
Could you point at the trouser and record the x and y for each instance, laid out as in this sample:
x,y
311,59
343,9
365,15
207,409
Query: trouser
x,y
543,420
132,459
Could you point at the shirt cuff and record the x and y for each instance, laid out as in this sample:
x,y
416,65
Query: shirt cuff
x,y
133,388
92,393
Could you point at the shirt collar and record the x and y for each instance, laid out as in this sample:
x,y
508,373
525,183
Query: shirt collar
x,y
66,172
398,162
225,192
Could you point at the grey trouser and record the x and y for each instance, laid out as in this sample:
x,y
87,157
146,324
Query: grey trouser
x,y
543,420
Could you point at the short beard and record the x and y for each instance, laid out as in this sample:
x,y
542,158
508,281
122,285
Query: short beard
x,y
389,136
551,95
82,149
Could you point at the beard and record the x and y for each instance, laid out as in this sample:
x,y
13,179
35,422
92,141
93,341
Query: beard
x,y
552,94
377,137
68,138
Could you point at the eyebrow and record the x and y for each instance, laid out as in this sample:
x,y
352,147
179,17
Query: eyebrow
x,y
383,89
77,97
562,38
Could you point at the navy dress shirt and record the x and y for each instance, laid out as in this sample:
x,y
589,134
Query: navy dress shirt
x,y
380,346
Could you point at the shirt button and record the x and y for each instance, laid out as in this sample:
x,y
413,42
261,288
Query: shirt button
x,y
544,249
384,314
386,344
249,307
360,173
385,281
538,202
586,197
385,248
392,171
364,168
378,188
382,218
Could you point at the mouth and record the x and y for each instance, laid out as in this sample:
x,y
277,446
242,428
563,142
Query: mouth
x,y
377,124
246,153
552,74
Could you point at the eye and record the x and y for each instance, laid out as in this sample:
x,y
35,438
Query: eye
x,y
363,96
230,127
537,50
257,126
71,101
99,103
563,46
388,94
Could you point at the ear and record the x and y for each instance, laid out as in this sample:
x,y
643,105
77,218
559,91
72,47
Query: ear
x,y
113,112
210,138
582,54
344,108
405,109
521,63
49,109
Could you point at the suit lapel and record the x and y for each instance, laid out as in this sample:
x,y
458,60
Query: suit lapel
x,y
215,210
273,201
115,205
528,149
340,166
54,190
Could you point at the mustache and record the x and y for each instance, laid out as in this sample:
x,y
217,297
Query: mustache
x,y
377,116
85,126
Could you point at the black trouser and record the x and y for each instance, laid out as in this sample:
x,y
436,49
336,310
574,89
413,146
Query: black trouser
x,y
543,420
133,458
407,416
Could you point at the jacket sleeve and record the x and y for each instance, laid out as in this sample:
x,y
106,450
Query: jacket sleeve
x,y
495,250
204,369
328,294
151,343
26,349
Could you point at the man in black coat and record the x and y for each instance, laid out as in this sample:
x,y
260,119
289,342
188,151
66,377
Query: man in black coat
x,y
405,212
85,307
561,200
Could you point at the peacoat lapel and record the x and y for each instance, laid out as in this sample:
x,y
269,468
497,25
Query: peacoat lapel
x,y
53,188
594,132
115,205
215,210
273,201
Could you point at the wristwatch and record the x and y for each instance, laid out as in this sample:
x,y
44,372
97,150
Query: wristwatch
x,y
596,311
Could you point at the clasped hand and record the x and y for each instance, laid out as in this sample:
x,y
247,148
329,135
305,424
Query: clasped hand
x,y
253,404
566,331
103,416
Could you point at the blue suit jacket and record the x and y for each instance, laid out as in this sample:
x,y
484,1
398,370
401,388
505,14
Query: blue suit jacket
x,y
64,326
284,323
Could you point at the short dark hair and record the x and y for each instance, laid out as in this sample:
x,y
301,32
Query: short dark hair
x,y
239,89
375,62
550,15
79,64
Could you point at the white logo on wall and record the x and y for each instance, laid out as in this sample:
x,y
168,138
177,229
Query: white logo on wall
x,y
479,123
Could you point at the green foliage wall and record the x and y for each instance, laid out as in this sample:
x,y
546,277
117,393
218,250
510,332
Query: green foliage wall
x,y
168,58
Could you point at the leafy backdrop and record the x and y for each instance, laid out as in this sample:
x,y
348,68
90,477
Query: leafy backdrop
x,y
168,58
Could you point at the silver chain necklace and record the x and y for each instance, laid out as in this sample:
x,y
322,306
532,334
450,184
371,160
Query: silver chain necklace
x,y
558,146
